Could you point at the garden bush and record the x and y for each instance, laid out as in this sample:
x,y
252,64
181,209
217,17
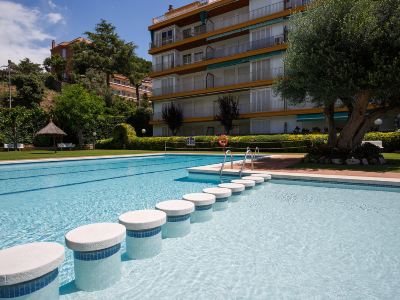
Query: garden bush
x,y
267,143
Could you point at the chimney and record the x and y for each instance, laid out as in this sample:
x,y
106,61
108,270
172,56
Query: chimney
x,y
170,7
53,44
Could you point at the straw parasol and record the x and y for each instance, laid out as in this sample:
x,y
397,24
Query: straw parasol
x,y
51,129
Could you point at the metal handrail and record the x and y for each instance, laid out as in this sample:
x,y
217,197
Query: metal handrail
x,y
256,153
223,164
248,152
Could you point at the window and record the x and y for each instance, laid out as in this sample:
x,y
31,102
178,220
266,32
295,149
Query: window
x,y
187,33
261,70
187,59
198,56
260,100
166,37
199,29
64,53
167,61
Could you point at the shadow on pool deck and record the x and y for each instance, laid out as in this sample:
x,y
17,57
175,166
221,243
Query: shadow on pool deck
x,y
293,164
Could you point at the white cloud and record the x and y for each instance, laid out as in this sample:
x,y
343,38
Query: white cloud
x,y
52,4
21,35
54,18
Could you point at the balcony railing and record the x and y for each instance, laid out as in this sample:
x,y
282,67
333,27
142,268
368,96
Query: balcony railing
x,y
248,107
234,20
226,51
210,81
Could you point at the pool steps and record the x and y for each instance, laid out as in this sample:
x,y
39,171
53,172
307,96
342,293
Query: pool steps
x,y
30,271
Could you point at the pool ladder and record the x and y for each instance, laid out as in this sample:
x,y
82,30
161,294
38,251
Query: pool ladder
x,y
223,164
252,157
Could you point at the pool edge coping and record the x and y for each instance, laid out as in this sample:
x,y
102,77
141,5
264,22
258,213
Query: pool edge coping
x,y
385,181
94,157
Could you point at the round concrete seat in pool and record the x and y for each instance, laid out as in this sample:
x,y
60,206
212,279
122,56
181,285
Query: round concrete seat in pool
x,y
247,183
143,232
221,195
178,217
203,203
30,271
263,175
236,189
256,179
97,259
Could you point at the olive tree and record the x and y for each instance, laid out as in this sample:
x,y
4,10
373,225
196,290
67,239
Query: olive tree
x,y
346,51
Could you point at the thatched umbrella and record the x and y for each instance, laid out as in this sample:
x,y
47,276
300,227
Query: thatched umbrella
x,y
51,129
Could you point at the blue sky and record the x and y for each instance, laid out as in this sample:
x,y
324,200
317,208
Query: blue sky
x,y
28,26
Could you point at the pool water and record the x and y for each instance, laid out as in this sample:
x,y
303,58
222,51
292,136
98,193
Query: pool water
x,y
288,239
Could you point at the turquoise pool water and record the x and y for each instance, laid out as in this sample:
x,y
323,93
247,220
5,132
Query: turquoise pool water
x,y
287,240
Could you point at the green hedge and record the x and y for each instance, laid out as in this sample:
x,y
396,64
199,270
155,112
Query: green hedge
x,y
268,143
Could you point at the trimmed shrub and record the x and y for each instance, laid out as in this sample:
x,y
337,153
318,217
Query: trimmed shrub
x,y
123,134
267,143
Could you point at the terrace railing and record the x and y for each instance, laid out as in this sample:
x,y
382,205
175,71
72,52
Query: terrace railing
x,y
214,82
234,20
225,51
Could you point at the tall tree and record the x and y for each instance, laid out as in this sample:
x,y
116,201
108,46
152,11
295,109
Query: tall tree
x,y
136,71
55,64
78,110
228,112
348,51
172,114
106,51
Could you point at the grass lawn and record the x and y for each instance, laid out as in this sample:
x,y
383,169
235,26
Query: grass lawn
x,y
36,154
392,159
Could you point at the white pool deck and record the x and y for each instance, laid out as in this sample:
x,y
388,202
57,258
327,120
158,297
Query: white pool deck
x,y
215,168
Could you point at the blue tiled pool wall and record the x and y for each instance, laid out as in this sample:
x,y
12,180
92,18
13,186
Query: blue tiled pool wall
x,y
203,207
143,233
98,254
221,199
178,218
27,287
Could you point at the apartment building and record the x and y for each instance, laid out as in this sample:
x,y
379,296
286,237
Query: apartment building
x,y
119,84
209,48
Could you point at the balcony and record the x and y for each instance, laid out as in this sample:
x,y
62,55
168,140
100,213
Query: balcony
x,y
209,81
227,22
246,109
221,52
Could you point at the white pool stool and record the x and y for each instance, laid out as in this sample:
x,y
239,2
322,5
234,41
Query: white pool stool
x,y
203,206
178,217
30,271
248,184
143,232
97,258
266,176
221,197
236,189
256,179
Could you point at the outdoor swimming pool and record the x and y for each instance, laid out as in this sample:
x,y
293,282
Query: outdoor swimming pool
x,y
289,239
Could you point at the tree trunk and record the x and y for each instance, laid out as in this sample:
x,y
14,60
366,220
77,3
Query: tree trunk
x,y
108,78
80,138
355,123
137,92
330,120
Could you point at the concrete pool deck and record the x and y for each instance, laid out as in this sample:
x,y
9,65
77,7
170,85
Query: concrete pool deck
x,y
277,165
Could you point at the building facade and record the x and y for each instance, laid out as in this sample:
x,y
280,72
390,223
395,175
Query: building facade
x,y
119,84
210,48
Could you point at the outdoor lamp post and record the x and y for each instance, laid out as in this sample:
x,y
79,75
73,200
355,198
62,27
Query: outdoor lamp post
x,y
378,122
94,139
143,131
